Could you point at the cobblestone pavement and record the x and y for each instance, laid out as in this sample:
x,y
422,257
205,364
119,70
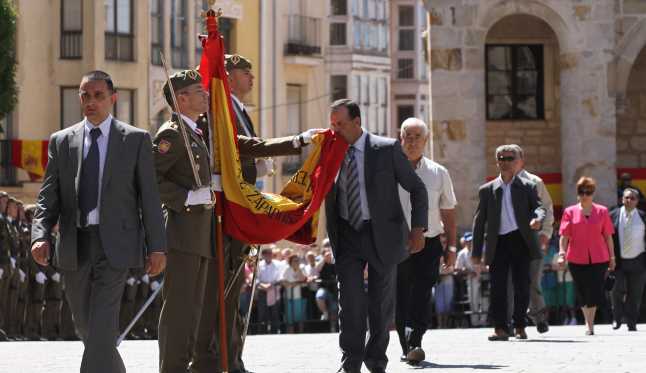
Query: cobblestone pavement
x,y
562,349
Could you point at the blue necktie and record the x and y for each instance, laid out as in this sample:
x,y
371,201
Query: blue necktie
x,y
89,183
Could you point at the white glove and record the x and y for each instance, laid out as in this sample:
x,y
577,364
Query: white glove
x,y
1,273
216,183
131,281
145,279
22,275
56,277
13,262
307,135
201,196
41,278
154,285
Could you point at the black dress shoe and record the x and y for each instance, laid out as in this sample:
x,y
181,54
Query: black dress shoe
x,y
499,335
3,336
632,327
542,327
616,325
378,370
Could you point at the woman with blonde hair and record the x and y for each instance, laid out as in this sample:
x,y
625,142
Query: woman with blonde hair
x,y
586,243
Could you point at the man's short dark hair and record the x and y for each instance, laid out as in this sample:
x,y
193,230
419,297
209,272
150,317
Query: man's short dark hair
x,y
353,107
632,191
99,75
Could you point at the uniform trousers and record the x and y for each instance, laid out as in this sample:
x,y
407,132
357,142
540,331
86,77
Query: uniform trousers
x,y
94,292
183,294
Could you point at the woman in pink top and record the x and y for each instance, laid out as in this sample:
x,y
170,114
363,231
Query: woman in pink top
x,y
586,243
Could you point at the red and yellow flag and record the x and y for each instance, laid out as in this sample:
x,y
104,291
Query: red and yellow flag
x,y
250,215
30,155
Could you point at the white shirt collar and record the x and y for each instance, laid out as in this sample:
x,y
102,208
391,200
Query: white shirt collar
x,y
502,182
190,122
626,213
104,126
237,100
360,144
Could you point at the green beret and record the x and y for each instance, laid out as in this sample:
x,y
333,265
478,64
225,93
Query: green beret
x,y
236,61
181,80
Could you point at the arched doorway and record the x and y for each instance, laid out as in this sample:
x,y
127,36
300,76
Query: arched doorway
x,y
522,95
631,124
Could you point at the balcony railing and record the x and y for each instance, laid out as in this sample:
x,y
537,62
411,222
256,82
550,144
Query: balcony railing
x,y
72,44
303,36
119,47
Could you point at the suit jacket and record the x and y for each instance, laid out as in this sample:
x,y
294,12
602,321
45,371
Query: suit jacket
x,y
188,228
385,166
614,216
486,222
130,213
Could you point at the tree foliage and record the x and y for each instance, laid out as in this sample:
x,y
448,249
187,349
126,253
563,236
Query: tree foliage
x,y
8,89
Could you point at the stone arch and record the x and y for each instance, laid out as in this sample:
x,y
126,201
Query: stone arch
x,y
627,51
564,28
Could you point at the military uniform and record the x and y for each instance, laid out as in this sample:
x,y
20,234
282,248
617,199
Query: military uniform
x,y
190,234
128,304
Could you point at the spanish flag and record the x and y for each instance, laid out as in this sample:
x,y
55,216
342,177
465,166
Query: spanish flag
x,y
31,156
250,215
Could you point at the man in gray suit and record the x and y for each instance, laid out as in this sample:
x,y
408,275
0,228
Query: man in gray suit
x,y
100,185
366,225
508,215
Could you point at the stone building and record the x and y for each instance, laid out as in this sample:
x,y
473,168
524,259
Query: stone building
x,y
565,79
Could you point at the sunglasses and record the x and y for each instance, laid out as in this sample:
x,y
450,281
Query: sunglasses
x,y
506,159
586,192
630,198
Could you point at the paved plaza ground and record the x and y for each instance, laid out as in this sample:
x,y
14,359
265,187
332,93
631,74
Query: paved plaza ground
x,y
563,349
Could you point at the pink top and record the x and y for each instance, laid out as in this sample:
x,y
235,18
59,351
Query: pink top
x,y
587,243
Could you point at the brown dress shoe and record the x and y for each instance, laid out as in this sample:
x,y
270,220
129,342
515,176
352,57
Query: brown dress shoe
x,y
499,335
520,333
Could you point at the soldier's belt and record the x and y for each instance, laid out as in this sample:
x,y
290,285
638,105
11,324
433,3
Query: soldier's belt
x,y
199,208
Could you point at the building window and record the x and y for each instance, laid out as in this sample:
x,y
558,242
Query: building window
x,y
156,31
339,7
295,110
404,112
514,82
179,34
337,34
405,68
70,106
406,40
339,87
124,108
119,37
406,15
71,29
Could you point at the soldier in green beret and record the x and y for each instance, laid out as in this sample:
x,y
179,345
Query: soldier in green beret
x,y
189,219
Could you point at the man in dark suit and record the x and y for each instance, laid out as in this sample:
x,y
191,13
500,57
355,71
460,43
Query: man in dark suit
x,y
508,215
630,272
366,225
100,186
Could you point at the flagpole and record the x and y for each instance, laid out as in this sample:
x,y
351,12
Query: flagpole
x,y
219,237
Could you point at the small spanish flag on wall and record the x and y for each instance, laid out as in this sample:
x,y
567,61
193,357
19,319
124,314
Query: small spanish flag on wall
x,y
31,156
